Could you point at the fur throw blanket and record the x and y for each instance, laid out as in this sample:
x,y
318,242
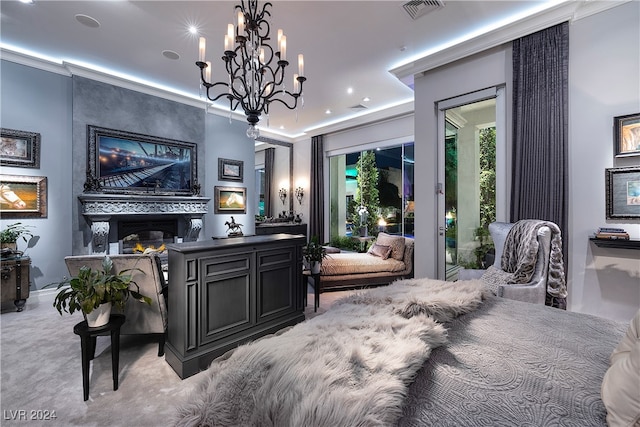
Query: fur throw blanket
x,y
348,367
521,251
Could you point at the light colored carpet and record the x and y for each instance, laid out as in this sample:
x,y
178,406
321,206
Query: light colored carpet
x,y
41,372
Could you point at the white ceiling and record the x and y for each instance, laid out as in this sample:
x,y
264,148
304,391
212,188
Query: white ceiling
x,y
346,44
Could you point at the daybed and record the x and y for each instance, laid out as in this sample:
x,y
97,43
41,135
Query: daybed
x,y
389,258
423,352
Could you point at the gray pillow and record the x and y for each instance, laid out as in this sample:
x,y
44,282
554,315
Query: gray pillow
x,y
495,277
381,251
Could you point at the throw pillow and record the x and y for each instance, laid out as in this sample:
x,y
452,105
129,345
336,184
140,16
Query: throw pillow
x,y
381,251
620,391
395,242
495,277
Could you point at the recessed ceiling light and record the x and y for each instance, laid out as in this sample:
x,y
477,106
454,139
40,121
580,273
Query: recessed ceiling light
x,y
366,99
350,90
193,29
169,54
26,1
328,111
87,21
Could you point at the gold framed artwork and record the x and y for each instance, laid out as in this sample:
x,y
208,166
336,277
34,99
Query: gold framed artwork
x,y
19,148
23,196
626,135
230,200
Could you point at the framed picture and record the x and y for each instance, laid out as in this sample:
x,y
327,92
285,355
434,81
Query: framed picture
x,y
23,196
230,200
126,162
626,135
623,192
230,170
19,148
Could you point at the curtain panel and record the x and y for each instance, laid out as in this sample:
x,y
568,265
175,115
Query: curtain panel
x,y
269,156
316,187
540,131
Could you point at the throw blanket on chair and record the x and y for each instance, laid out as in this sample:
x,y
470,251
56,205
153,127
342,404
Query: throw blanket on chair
x,y
520,254
348,367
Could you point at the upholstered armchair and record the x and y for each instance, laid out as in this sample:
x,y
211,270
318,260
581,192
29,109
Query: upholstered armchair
x,y
141,318
535,290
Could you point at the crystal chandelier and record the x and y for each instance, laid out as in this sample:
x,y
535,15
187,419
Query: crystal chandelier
x,y
255,71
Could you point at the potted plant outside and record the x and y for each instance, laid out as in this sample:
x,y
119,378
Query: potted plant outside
x,y
313,254
94,292
10,235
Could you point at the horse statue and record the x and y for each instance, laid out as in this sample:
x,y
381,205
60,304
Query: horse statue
x,y
233,228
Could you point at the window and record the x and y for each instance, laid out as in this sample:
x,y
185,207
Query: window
x,y
372,191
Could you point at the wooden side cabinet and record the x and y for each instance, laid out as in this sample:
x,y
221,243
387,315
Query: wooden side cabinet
x,y
229,291
14,275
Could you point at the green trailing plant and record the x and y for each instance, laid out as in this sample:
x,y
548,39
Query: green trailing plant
x,y
90,288
314,251
13,232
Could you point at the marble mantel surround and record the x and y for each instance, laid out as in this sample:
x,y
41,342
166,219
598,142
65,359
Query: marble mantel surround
x,y
100,209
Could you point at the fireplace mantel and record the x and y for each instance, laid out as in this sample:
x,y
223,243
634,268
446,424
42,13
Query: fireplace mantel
x,y
100,208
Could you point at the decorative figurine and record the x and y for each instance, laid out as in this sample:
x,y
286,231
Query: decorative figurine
x,y
233,228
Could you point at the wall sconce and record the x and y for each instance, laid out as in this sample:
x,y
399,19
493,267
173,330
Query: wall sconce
x,y
299,194
283,194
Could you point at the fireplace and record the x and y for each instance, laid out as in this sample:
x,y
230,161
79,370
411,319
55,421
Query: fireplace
x,y
113,217
142,236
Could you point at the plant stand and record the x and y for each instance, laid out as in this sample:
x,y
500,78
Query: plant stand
x,y
88,344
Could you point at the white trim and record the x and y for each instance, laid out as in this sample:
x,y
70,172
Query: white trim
x,y
477,96
395,142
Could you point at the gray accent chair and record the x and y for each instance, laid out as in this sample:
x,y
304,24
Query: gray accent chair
x,y
141,318
535,291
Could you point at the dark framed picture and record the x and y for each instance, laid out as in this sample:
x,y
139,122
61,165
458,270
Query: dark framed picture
x,y
127,162
626,135
230,170
623,192
230,200
19,148
23,196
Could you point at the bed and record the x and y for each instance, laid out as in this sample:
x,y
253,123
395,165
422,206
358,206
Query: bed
x,y
416,353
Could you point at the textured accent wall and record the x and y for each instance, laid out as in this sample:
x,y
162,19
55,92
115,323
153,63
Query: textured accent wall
x,y
102,104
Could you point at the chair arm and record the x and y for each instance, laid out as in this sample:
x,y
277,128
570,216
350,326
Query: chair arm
x,y
470,274
534,293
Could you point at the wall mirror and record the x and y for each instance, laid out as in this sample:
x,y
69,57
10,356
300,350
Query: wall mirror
x,y
269,198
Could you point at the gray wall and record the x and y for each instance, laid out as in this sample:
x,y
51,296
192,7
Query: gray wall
x,y
36,101
60,107
105,105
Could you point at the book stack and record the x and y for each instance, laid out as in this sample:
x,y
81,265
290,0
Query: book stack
x,y
612,233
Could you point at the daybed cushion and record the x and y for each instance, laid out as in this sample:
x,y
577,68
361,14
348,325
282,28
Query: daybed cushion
x,y
621,383
357,263
395,242
381,251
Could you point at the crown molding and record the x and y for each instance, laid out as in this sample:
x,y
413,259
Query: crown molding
x,y
566,11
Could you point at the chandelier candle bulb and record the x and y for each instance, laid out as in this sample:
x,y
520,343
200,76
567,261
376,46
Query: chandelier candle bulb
x,y
283,48
207,72
261,56
227,43
201,49
280,34
300,65
295,83
231,32
240,23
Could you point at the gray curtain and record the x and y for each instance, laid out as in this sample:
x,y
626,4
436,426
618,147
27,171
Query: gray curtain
x,y
540,129
269,156
316,189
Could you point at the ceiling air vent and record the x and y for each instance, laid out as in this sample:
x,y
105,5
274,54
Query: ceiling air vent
x,y
358,107
418,8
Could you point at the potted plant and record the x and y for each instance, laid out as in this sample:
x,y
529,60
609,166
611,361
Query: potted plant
x,y
313,254
94,292
10,235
